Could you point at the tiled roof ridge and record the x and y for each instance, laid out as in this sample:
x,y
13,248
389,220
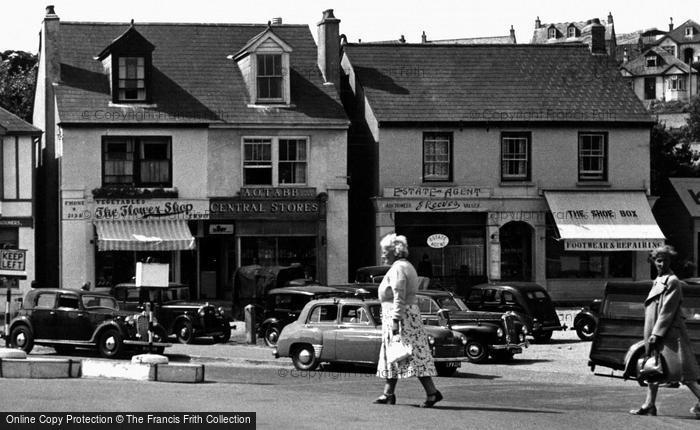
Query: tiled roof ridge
x,y
187,24
577,45
583,23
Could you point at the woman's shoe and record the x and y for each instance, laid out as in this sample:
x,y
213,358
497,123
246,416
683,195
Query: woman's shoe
x,y
385,399
431,400
649,410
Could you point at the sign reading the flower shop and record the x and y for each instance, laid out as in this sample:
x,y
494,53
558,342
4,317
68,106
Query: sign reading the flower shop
x,y
142,209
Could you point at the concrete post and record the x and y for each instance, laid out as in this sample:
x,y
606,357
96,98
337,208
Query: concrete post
x,y
250,332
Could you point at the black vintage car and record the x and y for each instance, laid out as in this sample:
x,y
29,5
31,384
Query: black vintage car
x,y
619,339
65,319
283,306
186,319
528,300
586,321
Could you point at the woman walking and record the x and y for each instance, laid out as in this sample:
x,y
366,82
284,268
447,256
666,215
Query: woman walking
x,y
665,331
400,315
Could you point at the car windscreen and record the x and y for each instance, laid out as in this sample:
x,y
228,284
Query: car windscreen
x,y
450,303
623,306
93,302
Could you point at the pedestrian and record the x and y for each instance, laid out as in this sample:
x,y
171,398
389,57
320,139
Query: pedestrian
x,y
400,315
665,332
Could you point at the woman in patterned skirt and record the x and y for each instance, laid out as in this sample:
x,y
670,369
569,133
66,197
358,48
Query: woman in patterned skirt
x,y
400,315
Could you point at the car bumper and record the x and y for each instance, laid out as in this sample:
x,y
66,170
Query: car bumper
x,y
449,359
513,347
145,343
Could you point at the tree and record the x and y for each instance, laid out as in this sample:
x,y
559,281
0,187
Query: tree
x,y
692,132
17,82
671,155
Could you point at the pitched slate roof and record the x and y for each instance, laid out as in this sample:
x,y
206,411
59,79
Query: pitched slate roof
x,y
12,124
638,66
678,33
193,82
541,36
476,83
493,40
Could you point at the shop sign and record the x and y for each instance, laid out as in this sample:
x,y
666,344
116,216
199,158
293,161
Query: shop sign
x,y
17,222
220,229
429,205
13,262
143,209
75,209
611,245
438,240
462,192
277,193
271,209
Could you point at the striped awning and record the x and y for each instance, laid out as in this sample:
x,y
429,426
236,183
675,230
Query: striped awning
x,y
140,235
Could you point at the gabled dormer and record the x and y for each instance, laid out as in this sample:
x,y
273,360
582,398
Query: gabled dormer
x,y
264,63
552,32
652,59
572,31
689,31
128,62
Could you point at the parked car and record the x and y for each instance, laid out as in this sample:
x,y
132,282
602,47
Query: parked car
x,y
586,321
619,339
65,319
251,283
528,300
349,330
374,274
185,319
283,306
489,334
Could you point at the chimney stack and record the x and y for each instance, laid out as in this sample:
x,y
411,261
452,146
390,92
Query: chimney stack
x,y
512,34
424,38
402,39
538,23
329,48
670,24
277,21
597,36
610,18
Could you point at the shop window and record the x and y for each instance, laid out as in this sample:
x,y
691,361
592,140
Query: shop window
x,y
136,161
437,157
515,156
275,161
280,251
592,157
584,264
9,237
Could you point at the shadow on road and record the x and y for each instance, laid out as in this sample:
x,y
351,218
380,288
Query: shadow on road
x,y
487,409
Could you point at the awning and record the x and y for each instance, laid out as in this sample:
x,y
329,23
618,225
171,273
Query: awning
x,y
604,220
140,235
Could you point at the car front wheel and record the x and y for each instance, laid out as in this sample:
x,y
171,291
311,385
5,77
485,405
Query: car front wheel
x,y
21,337
304,358
477,351
272,335
184,332
585,329
110,344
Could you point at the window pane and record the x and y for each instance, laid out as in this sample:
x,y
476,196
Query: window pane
x,y
269,77
436,156
257,161
292,161
132,78
514,157
592,157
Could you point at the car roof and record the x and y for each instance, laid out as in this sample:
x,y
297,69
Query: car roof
x,y
373,270
522,286
38,291
346,301
133,285
434,293
308,290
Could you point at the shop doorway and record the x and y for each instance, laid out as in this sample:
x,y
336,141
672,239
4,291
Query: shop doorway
x,y
516,251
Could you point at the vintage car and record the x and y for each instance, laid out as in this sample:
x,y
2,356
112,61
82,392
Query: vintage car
x,y
283,306
618,341
369,275
349,330
186,319
499,335
528,300
586,321
66,319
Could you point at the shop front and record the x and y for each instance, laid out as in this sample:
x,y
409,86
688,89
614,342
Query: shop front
x,y
268,227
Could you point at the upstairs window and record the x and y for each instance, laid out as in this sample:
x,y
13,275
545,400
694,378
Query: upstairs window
x,y
269,76
437,157
571,31
515,156
689,31
670,49
137,161
275,161
552,33
592,157
651,61
676,83
132,79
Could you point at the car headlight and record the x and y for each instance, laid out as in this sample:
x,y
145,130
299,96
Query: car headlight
x,y
499,332
464,340
522,338
525,330
221,311
431,340
202,312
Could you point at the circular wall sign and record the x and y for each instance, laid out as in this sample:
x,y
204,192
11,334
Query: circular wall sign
x,y
438,240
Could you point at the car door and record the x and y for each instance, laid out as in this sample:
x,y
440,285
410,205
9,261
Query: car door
x,y
72,319
44,316
357,338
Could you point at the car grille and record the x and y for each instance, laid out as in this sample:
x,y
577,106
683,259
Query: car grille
x,y
210,319
511,328
142,326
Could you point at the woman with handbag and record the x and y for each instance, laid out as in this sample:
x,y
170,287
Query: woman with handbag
x,y
401,317
665,333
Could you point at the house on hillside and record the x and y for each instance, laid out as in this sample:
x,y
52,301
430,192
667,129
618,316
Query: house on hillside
x,y
204,146
575,32
531,169
659,75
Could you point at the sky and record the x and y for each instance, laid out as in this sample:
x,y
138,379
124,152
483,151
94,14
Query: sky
x,y
366,20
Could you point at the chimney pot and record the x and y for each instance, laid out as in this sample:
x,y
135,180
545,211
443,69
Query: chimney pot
x,y
670,24
277,21
424,38
538,23
50,10
402,39
512,33
610,18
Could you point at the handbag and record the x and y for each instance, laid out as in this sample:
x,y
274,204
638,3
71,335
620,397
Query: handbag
x,y
396,350
651,368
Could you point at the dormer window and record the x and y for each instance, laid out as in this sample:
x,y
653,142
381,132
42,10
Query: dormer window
x,y
689,31
571,31
127,60
651,61
269,77
264,63
132,79
552,33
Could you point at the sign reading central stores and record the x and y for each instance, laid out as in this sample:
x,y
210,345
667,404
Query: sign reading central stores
x,y
611,245
260,209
